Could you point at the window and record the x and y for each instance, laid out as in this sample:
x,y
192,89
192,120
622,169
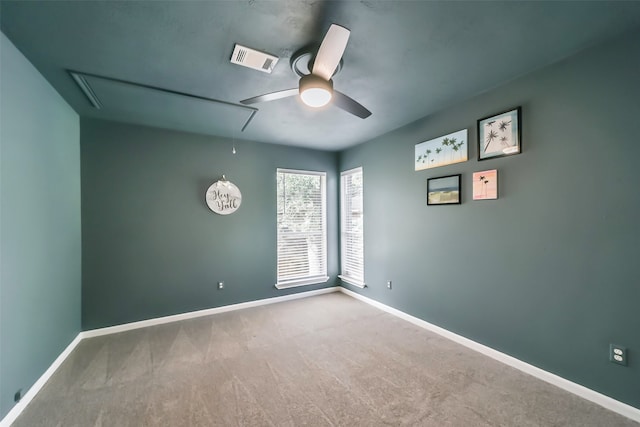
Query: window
x,y
352,227
302,228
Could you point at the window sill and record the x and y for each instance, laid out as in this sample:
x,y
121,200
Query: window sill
x,y
352,281
302,282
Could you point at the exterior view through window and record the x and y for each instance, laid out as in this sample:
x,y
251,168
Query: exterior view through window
x,y
352,227
302,230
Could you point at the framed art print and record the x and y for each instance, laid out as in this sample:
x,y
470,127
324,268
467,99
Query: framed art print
x,y
485,185
442,151
499,135
444,190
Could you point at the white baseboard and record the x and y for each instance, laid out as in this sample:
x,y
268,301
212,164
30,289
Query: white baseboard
x,y
35,388
205,312
577,389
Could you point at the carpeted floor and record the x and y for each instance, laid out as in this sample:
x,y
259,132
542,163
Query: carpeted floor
x,y
328,360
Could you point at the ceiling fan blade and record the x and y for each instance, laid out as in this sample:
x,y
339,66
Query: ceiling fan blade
x,y
330,51
349,105
270,96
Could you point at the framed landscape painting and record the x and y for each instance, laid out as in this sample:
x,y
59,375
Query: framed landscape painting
x,y
485,185
499,135
444,190
442,151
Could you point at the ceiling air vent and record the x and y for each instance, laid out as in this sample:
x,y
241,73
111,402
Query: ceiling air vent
x,y
252,58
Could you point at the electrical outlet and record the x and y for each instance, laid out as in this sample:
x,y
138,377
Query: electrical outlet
x,y
618,354
388,284
220,285
17,396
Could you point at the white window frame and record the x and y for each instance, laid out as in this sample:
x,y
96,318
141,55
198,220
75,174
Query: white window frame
x,y
346,275
322,277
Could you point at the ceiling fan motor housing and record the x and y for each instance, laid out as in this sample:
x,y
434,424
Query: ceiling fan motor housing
x,y
315,91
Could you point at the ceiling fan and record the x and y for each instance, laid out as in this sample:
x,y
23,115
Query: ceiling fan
x,y
316,88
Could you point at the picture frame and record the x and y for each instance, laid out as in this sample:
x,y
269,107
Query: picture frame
x,y
444,190
485,185
442,151
500,135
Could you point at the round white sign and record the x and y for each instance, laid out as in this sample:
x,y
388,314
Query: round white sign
x,y
223,197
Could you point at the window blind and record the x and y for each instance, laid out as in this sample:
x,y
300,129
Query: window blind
x,y
352,227
301,223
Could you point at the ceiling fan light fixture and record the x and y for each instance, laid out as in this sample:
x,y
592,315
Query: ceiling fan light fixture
x,y
315,91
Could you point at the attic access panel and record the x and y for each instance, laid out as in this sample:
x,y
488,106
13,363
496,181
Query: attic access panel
x,y
130,102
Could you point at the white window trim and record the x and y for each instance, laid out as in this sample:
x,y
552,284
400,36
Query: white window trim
x,y
302,282
352,281
314,280
348,279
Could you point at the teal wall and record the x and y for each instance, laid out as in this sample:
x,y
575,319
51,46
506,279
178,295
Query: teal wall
x,y
548,273
39,225
151,246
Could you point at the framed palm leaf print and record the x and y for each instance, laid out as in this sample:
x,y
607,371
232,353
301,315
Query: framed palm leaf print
x,y
500,135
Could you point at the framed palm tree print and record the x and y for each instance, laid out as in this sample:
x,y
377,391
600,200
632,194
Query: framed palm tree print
x,y
485,185
500,135
442,151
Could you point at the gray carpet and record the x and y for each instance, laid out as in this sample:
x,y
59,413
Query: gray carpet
x,y
328,360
